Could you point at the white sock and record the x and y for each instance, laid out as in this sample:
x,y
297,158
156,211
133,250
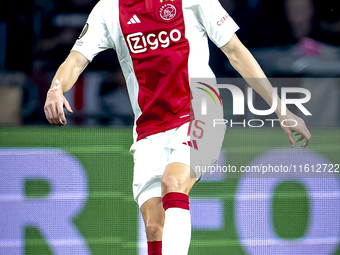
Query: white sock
x,y
176,232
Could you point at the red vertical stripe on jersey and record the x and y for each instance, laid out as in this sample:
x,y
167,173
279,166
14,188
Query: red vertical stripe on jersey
x,y
195,144
159,52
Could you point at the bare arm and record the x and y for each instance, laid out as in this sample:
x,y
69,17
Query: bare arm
x,y
244,63
63,81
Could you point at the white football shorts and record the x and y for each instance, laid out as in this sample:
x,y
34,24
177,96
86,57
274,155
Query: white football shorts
x,y
152,154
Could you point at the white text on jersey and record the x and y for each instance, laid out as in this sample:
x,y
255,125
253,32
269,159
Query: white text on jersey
x,y
138,43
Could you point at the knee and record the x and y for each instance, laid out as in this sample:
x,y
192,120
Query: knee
x,y
171,183
177,178
154,231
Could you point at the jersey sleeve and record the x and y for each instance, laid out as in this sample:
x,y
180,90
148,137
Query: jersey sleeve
x,y
95,36
216,22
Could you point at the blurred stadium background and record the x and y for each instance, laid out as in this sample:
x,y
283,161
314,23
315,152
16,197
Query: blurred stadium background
x,y
69,190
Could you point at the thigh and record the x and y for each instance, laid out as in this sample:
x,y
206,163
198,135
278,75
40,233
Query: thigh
x,y
150,158
178,177
197,145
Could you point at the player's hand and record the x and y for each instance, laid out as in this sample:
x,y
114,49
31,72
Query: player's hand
x,y
300,129
54,112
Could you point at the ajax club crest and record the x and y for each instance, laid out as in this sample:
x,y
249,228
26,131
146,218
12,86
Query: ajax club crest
x,y
167,11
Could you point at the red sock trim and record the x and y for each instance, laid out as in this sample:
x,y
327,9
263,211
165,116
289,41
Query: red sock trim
x,y
155,248
175,200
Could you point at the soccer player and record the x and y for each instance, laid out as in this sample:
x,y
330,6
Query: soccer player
x,y
161,45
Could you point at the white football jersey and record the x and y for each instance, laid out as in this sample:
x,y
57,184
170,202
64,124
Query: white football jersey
x,y
161,45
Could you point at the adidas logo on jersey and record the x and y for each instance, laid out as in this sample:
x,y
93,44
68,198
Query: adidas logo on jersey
x,y
192,143
134,20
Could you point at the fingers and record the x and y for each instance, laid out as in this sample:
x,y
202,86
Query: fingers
x,y
307,137
290,137
300,130
60,114
303,135
55,113
67,106
51,115
48,114
299,138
